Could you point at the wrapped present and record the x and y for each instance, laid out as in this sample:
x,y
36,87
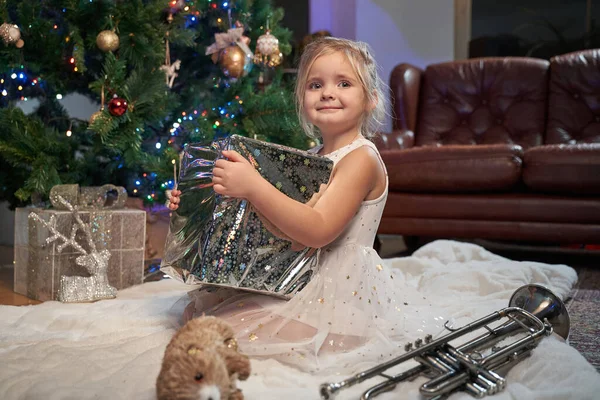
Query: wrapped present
x,y
43,267
222,241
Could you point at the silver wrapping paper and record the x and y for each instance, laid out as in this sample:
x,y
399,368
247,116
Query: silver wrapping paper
x,y
39,266
221,241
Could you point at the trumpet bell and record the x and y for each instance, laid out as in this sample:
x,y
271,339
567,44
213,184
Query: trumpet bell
x,y
545,305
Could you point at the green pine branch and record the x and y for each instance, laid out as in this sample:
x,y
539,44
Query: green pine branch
x,y
40,159
203,103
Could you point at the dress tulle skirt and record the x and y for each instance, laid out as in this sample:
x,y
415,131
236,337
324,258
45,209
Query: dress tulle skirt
x,y
355,312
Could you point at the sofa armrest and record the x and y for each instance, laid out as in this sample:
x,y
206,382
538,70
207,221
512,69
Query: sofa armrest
x,y
454,168
405,84
396,140
563,168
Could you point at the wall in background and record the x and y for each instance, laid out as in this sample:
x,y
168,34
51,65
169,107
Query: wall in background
x,y
335,16
417,32
77,105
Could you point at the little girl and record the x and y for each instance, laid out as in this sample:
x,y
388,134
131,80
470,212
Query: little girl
x,y
355,308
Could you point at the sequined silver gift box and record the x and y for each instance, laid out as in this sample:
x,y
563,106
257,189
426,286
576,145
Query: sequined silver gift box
x,y
221,241
39,266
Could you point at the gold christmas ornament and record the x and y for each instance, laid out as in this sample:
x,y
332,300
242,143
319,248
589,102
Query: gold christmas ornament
x,y
234,61
231,50
95,116
107,41
274,60
267,50
10,33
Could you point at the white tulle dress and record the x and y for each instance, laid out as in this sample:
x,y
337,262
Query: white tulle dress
x,y
353,313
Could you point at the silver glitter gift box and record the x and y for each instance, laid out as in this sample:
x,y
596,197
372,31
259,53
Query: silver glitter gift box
x,y
218,240
39,266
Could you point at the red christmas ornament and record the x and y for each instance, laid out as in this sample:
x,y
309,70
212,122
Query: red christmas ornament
x,y
117,106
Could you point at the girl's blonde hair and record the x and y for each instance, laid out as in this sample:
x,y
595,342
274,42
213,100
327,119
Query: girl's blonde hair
x,y
360,57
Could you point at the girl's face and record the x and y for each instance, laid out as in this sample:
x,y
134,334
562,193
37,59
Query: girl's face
x,y
334,99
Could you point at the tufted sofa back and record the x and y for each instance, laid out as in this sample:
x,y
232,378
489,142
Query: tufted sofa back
x,y
574,98
484,101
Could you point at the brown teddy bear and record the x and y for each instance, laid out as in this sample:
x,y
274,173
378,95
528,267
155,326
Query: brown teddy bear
x,y
202,362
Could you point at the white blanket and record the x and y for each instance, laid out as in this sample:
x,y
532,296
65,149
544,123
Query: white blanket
x,y
113,349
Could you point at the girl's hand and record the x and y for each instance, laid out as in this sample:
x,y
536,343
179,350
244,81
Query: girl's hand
x,y
173,199
316,196
234,177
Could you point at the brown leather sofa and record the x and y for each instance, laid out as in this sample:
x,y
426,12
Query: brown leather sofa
x,y
496,148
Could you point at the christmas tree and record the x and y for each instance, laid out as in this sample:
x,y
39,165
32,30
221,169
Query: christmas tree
x,y
163,72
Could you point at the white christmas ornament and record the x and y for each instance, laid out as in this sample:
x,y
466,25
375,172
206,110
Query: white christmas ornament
x,y
267,50
267,44
10,33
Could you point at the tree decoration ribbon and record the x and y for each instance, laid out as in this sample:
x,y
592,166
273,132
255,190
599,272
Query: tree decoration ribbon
x,y
226,39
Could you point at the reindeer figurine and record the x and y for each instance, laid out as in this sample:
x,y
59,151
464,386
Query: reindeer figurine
x,y
80,288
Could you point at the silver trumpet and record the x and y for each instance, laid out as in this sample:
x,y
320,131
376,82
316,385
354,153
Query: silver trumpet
x,y
533,313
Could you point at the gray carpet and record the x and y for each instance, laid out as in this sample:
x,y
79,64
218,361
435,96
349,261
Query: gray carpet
x,y
584,311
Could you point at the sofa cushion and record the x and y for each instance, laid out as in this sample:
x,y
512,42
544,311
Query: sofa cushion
x,y
454,168
572,169
518,207
574,98
483,101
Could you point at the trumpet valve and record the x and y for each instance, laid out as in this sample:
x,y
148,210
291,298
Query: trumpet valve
x,y
408,346
428,339
418,343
